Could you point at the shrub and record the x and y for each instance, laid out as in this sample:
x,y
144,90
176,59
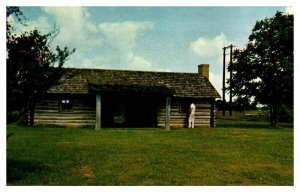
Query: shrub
x,y
286,114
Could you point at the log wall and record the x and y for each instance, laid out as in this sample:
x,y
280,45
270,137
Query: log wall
x,y
179,119
82,114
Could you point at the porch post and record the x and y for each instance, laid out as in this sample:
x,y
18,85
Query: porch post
x,y
98,112
168,109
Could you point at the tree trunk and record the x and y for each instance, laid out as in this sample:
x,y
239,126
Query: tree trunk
x,y
271,116
274,115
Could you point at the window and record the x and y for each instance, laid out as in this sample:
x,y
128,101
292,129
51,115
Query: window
x,y
184,107
65,105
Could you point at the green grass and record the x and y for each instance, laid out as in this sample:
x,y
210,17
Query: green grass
x,y
233,154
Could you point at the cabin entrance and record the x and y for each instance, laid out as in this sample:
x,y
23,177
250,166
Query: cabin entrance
x,y
129,111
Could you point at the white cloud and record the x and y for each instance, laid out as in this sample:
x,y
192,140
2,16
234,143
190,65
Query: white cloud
x,y
289,10
137,62
92,27
70,21
122,35
205,47
74,26
96,62
41,23
76,31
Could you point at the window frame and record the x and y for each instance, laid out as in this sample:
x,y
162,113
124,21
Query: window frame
x,y
184,107
65,105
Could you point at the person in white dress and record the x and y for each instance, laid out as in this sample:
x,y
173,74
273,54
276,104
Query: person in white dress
x,y
192,115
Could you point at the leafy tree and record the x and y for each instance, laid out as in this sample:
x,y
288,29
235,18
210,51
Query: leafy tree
x,y
32,67
264,69
242,103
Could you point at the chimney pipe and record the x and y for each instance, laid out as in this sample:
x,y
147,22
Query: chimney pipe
x,y
203,70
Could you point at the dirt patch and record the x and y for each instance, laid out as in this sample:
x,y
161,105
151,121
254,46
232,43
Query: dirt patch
x,y
87,171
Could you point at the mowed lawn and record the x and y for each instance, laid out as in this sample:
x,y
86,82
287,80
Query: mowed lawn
x,y
235,153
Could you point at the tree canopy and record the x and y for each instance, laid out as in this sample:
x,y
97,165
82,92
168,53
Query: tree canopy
x,y
32,66
264,69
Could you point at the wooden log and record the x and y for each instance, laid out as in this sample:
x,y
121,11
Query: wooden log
x,y
51,121
203,106
177,111
184,126
71,125
202,113
202,117
50,107
39,117
83,108
63,112
48,102
183,117
202,122
172,117
66,114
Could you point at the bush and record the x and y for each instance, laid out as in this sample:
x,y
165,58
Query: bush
x,y
16,116
286,114
12,116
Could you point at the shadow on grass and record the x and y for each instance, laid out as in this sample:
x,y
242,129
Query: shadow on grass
x,y
18,170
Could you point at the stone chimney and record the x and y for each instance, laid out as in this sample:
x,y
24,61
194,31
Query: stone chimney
x,y
203,70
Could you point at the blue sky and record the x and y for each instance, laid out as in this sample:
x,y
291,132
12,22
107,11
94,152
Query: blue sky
x,y
149,38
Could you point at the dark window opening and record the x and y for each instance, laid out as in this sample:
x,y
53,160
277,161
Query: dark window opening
x,y
184,107
65,105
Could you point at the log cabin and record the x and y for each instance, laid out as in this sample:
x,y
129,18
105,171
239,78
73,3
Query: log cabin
x,y
123,98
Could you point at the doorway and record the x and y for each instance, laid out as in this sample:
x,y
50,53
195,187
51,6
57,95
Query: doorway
x,y
129,111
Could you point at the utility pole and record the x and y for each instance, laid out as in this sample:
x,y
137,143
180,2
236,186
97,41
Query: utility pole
x,y
224,100
230,81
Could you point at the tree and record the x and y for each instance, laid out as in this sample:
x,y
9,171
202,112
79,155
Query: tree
x,y
32,67
263,70
242,104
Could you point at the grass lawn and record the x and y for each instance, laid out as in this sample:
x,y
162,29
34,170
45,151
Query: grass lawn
x,y
241,153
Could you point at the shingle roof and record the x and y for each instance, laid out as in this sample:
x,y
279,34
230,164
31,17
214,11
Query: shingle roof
x,y
85,81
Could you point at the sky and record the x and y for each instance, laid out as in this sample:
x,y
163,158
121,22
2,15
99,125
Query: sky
x,y
148,38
